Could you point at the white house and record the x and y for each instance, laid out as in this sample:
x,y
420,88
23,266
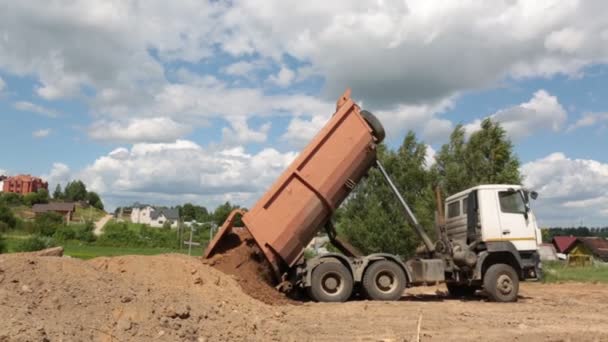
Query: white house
x,y
155,216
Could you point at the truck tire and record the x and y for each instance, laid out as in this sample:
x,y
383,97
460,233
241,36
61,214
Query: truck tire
x,y
501,283
375,124
331,282
384,280
459,291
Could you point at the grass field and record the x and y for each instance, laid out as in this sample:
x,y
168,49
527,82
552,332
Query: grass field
x,y
558,272
85,251
89,251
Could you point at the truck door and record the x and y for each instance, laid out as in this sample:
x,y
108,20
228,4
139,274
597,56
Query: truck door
x,y
516,224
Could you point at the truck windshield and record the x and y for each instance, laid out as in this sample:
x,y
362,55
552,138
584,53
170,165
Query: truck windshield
x,y
511,202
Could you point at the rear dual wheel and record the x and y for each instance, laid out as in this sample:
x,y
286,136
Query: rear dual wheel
x,y
384,280
331,281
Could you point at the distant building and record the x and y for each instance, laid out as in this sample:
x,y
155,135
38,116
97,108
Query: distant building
x,y
64,209
582,250
2,178
23,184
155,216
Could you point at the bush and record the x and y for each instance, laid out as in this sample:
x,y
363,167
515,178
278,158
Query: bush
x,y
34,243
47,223
11,198
82,233
122,235
7,216
64,233
25,226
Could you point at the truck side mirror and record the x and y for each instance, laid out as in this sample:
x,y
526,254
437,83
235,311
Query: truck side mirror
x,y
534,195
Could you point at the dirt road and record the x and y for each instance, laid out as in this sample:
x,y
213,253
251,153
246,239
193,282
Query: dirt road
x,y
178,298
100,224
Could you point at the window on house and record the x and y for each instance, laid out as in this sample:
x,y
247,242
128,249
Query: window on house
x,y
511,202
464,206
454,209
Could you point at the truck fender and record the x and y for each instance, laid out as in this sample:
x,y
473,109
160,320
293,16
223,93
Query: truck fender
x,y
496,249
316,261
367,260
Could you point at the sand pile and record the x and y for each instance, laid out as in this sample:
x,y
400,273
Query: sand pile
x,y
133,298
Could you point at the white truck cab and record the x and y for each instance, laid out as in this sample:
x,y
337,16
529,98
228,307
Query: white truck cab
x,y
503,214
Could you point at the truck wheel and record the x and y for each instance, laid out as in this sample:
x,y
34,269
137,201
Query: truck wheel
x,y
459,291
501,283
384,280
375,124
331,282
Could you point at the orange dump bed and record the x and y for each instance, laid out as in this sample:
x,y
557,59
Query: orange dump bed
x,y
305,196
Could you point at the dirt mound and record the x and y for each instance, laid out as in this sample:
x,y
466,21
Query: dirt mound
x,y
238,255
133,298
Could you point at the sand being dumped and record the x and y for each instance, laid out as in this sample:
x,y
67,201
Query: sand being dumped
x,y
237,255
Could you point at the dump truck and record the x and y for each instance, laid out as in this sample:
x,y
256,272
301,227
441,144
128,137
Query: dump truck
x,y
487,235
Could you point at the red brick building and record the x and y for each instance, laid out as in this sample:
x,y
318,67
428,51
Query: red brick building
x,y
24,184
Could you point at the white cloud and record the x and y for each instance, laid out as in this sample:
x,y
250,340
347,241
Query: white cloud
x,y
171,171
418,117
284,77
570,190
158,129
240,133
566,40
2,85
4,172
429,159
244,68
589,119
395,52
60,174
542,112
41,133
300,131
25,106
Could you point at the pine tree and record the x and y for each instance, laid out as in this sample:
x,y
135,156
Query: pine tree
x,y
58,193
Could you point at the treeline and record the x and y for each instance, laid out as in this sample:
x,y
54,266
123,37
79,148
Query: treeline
x,y
77,191
372,219
74,191
549,233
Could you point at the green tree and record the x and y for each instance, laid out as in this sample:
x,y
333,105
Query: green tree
x,y
188,212
43,196
221,214
58,193
486,158
75,191
372,218
94,200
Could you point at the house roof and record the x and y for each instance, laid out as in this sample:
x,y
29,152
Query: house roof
x,y
169,213
563,244
597,245
43,208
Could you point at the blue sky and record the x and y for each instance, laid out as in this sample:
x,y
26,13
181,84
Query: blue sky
x,y
209,101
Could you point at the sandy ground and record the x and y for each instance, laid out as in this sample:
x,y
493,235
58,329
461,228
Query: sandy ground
x,y
178,298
